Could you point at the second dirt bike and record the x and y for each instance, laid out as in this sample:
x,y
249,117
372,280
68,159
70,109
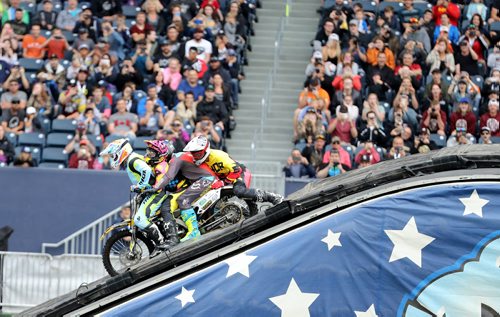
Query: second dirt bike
x,y
128,245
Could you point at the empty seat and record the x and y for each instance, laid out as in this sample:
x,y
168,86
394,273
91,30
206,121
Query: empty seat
x,y
45,125
36,139
495,26
70,36
96,141
51,165
130,11
64,125
12,137
54,154
478,80
440,140
31,64
139,142
59,139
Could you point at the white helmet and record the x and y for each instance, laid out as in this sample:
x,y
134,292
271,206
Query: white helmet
x,y
119,150
200,149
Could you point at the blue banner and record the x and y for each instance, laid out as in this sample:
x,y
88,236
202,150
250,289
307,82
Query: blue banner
x,y
432,251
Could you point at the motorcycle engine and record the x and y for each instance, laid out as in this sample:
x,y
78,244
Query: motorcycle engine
x,y
232,208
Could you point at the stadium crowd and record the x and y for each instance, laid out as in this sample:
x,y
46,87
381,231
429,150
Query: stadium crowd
x,y
391,79
77,75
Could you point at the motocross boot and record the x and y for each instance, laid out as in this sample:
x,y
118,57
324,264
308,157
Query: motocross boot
x,y
170,230
265,196
155,235
189,217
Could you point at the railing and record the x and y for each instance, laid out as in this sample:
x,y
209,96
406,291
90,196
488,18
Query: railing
x,y
86,240
28,279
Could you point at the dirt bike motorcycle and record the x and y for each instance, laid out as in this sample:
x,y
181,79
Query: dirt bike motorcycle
x,y
128,245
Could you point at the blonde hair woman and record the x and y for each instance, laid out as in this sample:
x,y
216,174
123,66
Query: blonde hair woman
x,y
331,51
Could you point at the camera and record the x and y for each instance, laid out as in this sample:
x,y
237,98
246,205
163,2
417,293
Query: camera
x,y
433,110
338,12
317,70
472,33
398,149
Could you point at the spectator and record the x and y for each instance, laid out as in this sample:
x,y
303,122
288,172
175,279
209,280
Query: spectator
x,y
297,166
25,159
46,17
160,58
333,167
139,30
423,142
206,127
380,78
314,152
494,57
402,113
10,13
17,74
186,109
115,40
435,119
54,72
368,151
398,149
212,108
436,96
345,157
331,52
233,66
446,7
413,32
6,148
491,119
57,44
33,43
466,59
91,119
153,8
101,104
69,102
408,12
343,126
12,93
123,123
87,22
373,132
13,117
9,35
463,87
172,78
82,159
20,27
374,48
178,128
105,71
359,38
191,84
151,120
477,41
309,124
446,26
7,52
327,30
67,18
464,117
152,93
441,59
458,137
31,122
204,47
128,74
485,136
414,70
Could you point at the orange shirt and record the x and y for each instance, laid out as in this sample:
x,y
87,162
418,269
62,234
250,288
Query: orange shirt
x,y
372,53
321,93
33,46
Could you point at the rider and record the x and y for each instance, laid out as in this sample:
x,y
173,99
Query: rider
x,y
200,179
142,177
158,153
225,168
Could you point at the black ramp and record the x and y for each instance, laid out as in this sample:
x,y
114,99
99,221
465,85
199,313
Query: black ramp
x,y
467,167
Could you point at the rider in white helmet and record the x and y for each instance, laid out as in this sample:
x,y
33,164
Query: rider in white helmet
x,y
228,170
142,177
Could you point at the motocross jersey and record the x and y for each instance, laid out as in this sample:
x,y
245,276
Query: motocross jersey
x,y
182,163
178,183
139,172
223,166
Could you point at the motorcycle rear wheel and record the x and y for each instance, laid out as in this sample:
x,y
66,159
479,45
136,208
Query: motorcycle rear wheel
x,y
117,256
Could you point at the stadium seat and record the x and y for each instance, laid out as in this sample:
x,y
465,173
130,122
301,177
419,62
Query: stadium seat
x,y
28,6
110,138
438,139
54,154
60,139
96,140
369,6
478,80
495,26
36,139
139,142
349,150
129,23
64,125
495,139
301,145
84,5
35,152
396,5
422,6
51,165
45,125
70,36
12,137
31,64
130,11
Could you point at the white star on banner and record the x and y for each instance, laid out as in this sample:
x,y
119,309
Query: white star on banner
x,y
369,313
294,303
239,264
408,243
185,296
332,239
474,204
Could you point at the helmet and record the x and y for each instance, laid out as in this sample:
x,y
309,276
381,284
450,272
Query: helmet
x,y
200,149
158,149
119,150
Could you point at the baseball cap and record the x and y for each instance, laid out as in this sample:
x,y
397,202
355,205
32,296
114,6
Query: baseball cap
x,y
54,56
102,39
26,149
214,58
221,33
471,26
320,136
464,100
84,142
210,87
82,30
231,52
83,46
493,102
318,54
485,128
30,110
461,81
335,139
425,131
353,22
333,37
163,42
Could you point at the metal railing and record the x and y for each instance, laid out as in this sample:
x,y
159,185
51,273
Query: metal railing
x,y
28,279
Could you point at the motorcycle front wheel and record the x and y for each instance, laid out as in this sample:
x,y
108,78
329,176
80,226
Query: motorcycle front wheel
x,y
117,255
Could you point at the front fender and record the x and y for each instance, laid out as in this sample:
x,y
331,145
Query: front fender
x,y
129,223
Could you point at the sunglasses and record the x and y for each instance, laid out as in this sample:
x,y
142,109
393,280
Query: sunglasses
x,y
335,142
371,118
485,132
176,124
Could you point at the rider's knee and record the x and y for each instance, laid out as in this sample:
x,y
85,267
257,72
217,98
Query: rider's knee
x,y
141,220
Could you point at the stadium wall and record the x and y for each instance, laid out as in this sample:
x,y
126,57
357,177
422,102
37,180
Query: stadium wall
x,y
43,205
